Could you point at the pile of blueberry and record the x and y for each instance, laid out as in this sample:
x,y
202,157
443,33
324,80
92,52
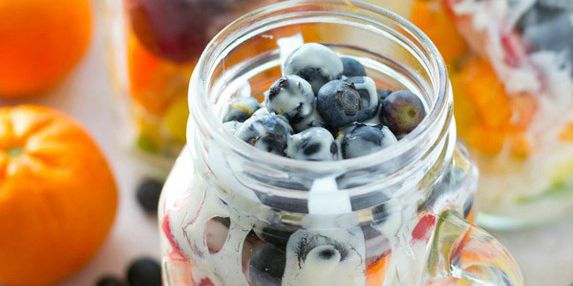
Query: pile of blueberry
x,y
141,272
324,108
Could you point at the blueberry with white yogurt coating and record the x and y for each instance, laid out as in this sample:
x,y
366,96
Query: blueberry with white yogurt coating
x,y
292,97
362,139
232,126
352,67
315,63
366,87
316,248
266,131
402,111
313,144
313,120
240,109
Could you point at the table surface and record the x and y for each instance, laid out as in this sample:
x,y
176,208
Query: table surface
x,y
544,254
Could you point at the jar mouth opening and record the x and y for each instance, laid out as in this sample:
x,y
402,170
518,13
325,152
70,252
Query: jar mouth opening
x,y
202,108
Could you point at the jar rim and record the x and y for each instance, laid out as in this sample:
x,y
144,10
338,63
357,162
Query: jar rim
x,y
201,108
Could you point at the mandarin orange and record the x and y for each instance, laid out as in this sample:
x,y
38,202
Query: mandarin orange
x,y
41,42
58,196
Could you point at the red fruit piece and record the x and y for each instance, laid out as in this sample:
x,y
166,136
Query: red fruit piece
x,y
179,30
206,282
176,254
424,227
173,29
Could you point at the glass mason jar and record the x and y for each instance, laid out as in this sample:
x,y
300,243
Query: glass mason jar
x,y
154,45
231,214
510,64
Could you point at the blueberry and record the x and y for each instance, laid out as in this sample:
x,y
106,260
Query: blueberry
x,y
323,255
267,266
362,139
240,109
314,62
316,248
352,67
261,112
144,272
554,34
313,120
382,94
109,281
268,132
536,15
402,111
292,97
232,126
366,87
313,144
148,193
339,103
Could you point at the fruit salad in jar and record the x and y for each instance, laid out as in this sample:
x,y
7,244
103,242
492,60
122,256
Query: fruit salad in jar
x,y
155,46
324,163
511,66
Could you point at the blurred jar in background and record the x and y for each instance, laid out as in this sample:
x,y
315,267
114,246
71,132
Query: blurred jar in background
x,y
154,47
511,69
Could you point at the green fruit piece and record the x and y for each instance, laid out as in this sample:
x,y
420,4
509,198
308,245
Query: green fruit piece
x,y
554,191
147,144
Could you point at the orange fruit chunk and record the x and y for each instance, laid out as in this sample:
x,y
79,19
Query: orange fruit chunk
x,y
58,196
155,82
567,133
437,22
376,272
478,86
41,42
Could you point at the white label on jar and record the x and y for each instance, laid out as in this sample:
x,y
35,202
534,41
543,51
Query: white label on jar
x,y
325,198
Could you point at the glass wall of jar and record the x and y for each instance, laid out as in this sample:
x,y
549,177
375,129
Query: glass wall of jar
x,y
511,67
154,45
231,214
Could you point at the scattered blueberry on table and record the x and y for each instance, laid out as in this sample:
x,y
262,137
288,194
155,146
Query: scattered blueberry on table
x,y
325,107
148,193
144,272
109,281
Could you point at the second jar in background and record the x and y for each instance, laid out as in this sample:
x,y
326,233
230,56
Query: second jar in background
x,y
154,47
510,64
